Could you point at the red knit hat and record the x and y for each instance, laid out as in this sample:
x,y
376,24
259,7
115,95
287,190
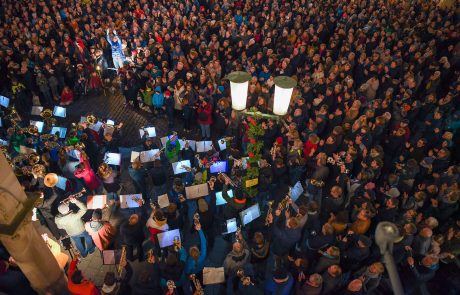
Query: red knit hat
x,y
279,140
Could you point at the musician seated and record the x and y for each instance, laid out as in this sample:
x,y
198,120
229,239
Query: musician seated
x,y
77,283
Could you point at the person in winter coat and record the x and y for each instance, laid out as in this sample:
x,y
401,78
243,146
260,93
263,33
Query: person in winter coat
x,y
158,99
131,89
85,172
77,283
369,89
117,50
102,232
157,223
204,112
236,259
132,235
169,107
66,96
195,261
312,286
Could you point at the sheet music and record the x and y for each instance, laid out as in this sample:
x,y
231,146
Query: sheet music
x,y
149,156
196,191
219,166
39,125
129,201
203,146
36,110
74,154
96,126
62,183
59,112
112,159
26,150
97,202
220,200
296,191
191,143
163,201
249,214
232,226
108,257
4,101
150,132
110,122
135,156
213,275
222,144
178,167
166,239
62,131
3,142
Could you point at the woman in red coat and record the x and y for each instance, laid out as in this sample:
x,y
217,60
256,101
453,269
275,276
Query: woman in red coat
x,y
85,172
311,145
66,96
205,118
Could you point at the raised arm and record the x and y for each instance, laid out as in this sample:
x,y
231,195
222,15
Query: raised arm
x,y
108,38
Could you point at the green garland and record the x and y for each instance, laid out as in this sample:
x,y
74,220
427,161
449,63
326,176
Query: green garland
x,y
255,132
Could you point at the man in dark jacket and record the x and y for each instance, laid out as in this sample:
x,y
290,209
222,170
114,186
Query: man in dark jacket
x,y
354,249
419,275
132,235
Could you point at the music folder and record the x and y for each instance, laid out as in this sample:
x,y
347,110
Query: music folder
x,y
232,226
59,112
150,132
39,125
166,239
296,191
112,159
130,201
148,156
222,144
36,110
203,146
62,183
250,214
191,144
196,191
111,257
180,167
220,200
213,275
96,202
26,150
163,201
61,130
4,101
218,167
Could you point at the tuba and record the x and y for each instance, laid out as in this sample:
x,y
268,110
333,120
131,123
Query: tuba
x,y
47,115
32,129
39,170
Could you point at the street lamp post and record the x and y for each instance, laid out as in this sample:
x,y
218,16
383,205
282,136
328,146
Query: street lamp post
x,y
284,86
239,82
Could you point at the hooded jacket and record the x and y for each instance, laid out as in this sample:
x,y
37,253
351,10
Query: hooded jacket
x,y
158,98
235,261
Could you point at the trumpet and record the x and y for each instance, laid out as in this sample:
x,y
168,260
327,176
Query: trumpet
x,y
74,196
236,162
212,180
237,234
177,244
225,139
284,204
188,169
196,282
196,218
32,129
122,262
269,211
246,280
222,177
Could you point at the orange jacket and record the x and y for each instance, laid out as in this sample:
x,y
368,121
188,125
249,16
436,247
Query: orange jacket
x,y
84,288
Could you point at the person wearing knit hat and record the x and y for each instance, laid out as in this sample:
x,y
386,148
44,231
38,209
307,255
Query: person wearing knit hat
x,y
102,232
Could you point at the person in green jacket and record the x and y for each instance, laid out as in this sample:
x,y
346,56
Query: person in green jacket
x,y
172,149
147,96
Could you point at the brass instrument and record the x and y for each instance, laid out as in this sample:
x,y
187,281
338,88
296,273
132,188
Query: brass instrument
x,y
339,162
47,115
170,284
177,244
150,257
196,218
39,170
246,280
91,119
317,183
238,233
188,169
212,180
225,139
46,136
74,196
196,283
269,211
222,177
122,262
33,158
284,204
32,129
52,145
236,162
14,117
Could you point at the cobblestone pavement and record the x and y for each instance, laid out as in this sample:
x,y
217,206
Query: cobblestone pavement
x,y
111,106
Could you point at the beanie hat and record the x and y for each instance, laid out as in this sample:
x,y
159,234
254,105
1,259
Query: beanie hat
x,y
279,140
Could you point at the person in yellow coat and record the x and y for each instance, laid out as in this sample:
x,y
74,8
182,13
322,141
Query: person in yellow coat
x,y
55,248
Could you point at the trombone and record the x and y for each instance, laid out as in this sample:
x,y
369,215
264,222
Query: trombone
x,y
222,177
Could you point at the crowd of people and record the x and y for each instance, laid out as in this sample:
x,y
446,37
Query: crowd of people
x,y
371,135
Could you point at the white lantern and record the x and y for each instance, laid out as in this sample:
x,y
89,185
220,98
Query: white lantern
x,y
284,86
239,82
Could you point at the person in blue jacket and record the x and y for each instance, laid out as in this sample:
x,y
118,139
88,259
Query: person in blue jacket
x,y
158,99
117,50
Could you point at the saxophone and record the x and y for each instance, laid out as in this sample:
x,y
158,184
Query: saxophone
x,y
196,282
122,262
